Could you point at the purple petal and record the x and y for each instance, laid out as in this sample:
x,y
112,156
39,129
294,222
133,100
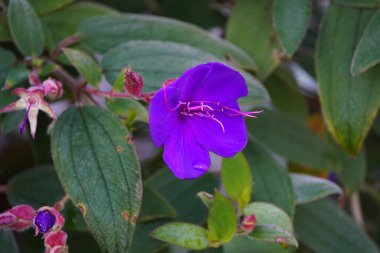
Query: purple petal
x,y
211,82
183,154
210,135
161,120
44,221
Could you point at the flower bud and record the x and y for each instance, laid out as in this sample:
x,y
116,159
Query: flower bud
x,y
18,218
249,223
48,220
133,82
53,88
33,78
56,242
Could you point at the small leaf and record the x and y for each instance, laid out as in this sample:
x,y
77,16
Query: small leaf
x,y
309,188
19,73
359,3
237,179
294,14
325,228
221,220
6,64
85,65
250,27
182,194
244,244
104,33
8,242
273,224
25,27
271,180
349,104
128,109
46,6
154,206
294,140
142,242
186,235
99,170
367,52
9,121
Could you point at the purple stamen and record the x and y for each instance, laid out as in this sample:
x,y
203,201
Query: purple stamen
x,y
21,127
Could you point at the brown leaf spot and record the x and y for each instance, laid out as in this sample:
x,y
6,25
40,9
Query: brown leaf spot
x,y
82,208
119,149
125,215
129,139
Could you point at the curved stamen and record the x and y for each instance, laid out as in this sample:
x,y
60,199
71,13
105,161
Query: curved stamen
x,y
21,127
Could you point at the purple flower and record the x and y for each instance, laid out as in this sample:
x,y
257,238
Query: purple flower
x,y
198,113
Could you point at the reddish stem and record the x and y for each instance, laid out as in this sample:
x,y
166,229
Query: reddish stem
x,y
61,204
3,188
108,94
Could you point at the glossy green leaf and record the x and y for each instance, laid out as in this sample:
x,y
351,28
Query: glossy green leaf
x,y
65,22
128,109
25,27
142,242
104,33
159,61
221,220
367,52
294,14
273,224
99,170
154,205
46,192
16,75
271,182
359,3
352,171
45,6
349,103
7,59
310,188
8,242
186,235
293,139
250,27
244,244
182,194
325,228
237,179
85,65
5,34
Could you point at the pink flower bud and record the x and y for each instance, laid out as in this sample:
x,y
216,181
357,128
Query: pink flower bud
x,y
53,88
18,218
47,220
249,223
133,82
33,78
56,242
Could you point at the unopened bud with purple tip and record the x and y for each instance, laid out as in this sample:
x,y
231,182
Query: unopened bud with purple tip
x,y
18,218
48,220
133,82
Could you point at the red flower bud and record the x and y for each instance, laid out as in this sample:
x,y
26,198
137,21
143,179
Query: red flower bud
x,y
133,82
249,223
18,218
53,88
56,242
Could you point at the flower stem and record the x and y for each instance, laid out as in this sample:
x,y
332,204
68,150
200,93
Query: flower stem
x,y
3,188
64,43
61,204
356,209
108,94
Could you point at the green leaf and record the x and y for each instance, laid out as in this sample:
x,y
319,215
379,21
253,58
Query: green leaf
x,y
16,75
46,6
221,220
367,52
182,194
63,23
293,140
128,109
5,34
9,121
352,171
99,170
25,27
359,3
85,65
154,205
142,242
271,181
8,242
186,235
244,244
272,224
325,228
46,192
294,14
158,61
250,27
6,64
349,103
104,33
309,188
237,179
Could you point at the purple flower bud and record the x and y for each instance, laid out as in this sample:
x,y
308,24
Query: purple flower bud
x,y
44,221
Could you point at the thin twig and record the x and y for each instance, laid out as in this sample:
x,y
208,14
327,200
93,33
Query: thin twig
x,y
64,43
356,209
61,204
